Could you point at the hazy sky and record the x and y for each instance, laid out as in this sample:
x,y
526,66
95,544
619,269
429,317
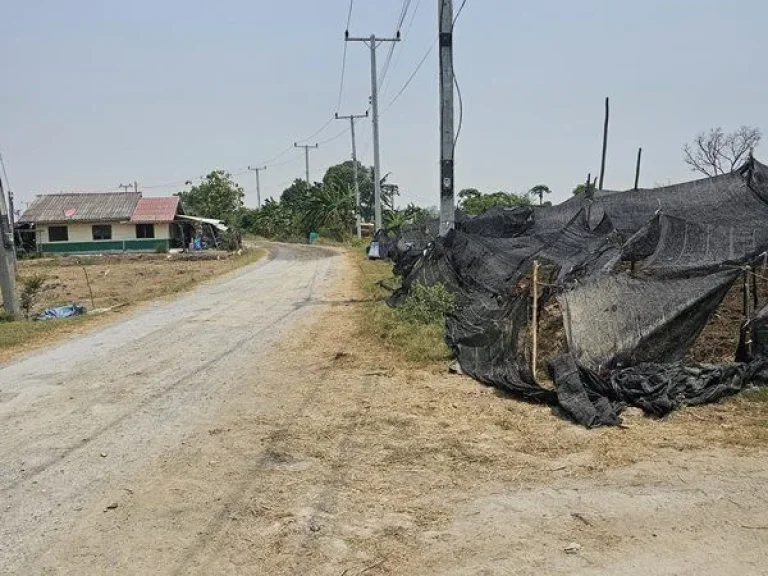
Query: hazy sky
x,y
99,92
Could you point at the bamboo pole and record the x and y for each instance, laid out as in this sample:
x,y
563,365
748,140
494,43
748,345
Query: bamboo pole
x,y
535,318
90,291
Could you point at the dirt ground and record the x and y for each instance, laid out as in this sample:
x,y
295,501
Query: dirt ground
x,y
328,454
117,282
124,278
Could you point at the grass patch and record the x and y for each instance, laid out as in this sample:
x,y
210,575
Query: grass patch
x,y
757,395
416,332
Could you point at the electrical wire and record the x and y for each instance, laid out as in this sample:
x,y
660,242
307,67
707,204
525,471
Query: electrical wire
x,y
406,35
388,61
456,83
412,76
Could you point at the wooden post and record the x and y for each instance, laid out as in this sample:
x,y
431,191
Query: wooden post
x,y
747,313
605,143
88,283
535,318
637,169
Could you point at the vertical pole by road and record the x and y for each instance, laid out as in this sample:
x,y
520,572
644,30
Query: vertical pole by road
x,y
373,43
447,200
306,158
7,259
637,169
605,143
352,118
258,183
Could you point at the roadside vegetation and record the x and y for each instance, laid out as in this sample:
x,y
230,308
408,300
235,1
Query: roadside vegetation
x,y
414,332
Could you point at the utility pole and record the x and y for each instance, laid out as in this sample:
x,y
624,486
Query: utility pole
x,y
135,186
352,119
124,187
447,199
372,42
258,184
7,259
306,158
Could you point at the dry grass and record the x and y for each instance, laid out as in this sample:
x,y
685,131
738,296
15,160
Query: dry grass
x,y
432,418
116,280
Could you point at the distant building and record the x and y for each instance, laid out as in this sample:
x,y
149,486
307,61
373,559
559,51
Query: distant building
x,y
102,222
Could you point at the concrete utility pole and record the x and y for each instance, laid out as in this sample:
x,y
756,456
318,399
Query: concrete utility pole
x,y
447,199
372,42
306,158
124,187
352,119
258,184
7,259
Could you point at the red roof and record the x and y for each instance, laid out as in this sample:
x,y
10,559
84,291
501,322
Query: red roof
x,y
150,210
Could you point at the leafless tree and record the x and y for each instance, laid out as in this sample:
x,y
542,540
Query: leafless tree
x,y
718,152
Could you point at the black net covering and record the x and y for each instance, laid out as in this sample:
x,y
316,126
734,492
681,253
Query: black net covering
x,y
637,276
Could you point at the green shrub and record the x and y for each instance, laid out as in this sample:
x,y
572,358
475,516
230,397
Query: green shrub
x,y
427,304
31,288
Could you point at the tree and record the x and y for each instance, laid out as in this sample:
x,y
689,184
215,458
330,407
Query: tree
x,y
217,196
345,174
411,214
717,152
539,190
297,194
473,202
330,208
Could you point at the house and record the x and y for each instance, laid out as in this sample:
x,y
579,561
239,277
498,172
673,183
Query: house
x,y
103,222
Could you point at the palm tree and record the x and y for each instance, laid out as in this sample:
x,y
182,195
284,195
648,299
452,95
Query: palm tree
x,y
331,207
539,190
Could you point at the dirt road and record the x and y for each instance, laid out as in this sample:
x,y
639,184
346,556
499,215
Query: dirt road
x,y
85,421
252,428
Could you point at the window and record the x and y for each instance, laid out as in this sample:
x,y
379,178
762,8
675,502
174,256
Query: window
x,y
102,231
58,234
145,230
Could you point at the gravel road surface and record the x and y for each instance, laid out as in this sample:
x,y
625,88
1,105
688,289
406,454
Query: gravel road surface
x,y
82,419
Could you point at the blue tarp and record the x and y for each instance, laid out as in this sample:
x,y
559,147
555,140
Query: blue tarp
x,y
66,311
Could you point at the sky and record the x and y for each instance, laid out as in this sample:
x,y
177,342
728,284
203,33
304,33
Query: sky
x,y
96,93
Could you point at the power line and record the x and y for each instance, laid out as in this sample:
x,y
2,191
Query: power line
x,y
412,76
456,81
399,25
407,35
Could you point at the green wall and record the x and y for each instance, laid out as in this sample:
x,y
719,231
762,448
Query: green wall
x,y
149,245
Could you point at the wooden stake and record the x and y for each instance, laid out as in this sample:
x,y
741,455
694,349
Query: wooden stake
x,y
535,318
88,283
605,143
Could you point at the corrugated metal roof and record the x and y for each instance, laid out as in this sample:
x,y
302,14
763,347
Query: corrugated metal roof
x,y
150,210
98,207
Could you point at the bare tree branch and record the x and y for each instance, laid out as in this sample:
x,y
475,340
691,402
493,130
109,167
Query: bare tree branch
x,y
716,152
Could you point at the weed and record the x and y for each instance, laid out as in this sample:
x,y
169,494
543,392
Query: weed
x,y
404,333
30,291
427,304
757,394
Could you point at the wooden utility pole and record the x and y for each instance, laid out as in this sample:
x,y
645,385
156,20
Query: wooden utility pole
x,y
352,118
447,196
7,259
637,169
605,143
